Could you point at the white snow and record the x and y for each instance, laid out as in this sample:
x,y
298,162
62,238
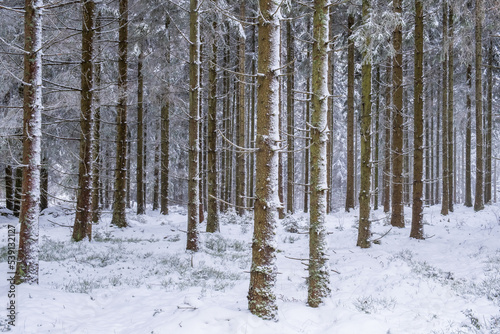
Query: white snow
x,y
141,280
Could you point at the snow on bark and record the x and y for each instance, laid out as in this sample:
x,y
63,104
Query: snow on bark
x,y
27,257
261,297
319,277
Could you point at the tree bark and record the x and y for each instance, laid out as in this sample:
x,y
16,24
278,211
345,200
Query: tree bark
x,y
397,217
364,232
240,131
120,198
349,204
83,218
290,111
376,140
194,139
261,297
387,139
28,251
478,200
417,226
319,273
212,205
140,136
488,126
445,206
44,185
9,188
451,146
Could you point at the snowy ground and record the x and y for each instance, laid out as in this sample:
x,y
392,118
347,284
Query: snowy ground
x,y
140,280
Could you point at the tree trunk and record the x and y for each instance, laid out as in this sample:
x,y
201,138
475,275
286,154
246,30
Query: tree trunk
x,y
319,273
445,206
261,297
417,226
119,203
451,148
349,204
387,139
364,232
83,218
397,217
194,139
140,136
306,144
212,205
478,200
488,126
290,86
156,175
96,147
28,251
377,138
240,127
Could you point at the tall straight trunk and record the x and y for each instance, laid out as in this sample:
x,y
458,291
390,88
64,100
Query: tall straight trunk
x,y
140,136
194,138
212,205
319,273
9,188
427,140
119,203
397,217
417,226
128,172
349,203
488,126
478,200
445,206
82,227
240,132
201,167
376,140
307,159
96,147
329,145
156,175
261,297
431,179
387,138
165,136
281,185
290,112
44,185
251,174
438,153
364,232
451,146
28,251
165,141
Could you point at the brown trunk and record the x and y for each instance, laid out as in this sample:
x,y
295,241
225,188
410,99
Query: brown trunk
x,y
445,205
44,185
488,126
28,251
451,148
349,204
96,147
417,226
9,188
83,218
290,111
387,139
478,200
119,203
261,297
140,137
194,138
397,217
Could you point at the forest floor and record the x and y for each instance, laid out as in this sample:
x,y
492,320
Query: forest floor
x,y
141,280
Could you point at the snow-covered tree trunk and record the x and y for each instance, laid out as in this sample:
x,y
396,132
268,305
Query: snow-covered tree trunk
x,y
122,185
478,200
364,232
397,215
290,86
319,273
489,125
350,188
261,297
164,136
194,138
417,226
387,138
468,139
83,218
27,256
212,205
451,131
240,126
141,207
445,207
